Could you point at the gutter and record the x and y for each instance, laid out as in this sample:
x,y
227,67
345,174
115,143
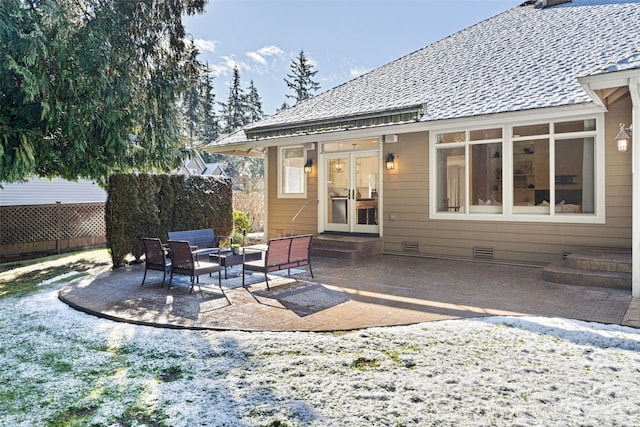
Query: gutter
x,y
255,132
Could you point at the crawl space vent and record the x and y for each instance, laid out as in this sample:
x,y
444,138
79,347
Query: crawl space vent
x,y
413,247
479,252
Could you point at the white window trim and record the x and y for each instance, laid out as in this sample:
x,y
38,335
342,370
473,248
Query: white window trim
x,y
281,194
508,214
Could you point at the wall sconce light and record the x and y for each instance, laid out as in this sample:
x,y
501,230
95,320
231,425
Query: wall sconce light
x,y
307,166
390,162
623,137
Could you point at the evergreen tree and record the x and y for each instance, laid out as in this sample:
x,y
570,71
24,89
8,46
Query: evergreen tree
x,y
234,109
284,106
201,122
210,127
93,87
253,104
301,79
192,102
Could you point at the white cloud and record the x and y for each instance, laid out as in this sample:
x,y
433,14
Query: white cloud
x,y
271,50
226,65
206,45
357,71
260,56
256,57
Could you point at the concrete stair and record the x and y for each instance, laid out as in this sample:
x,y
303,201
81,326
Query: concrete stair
x,y
609,269
345,246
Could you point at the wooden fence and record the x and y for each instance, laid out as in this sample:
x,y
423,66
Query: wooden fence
x,y
34,230
29,231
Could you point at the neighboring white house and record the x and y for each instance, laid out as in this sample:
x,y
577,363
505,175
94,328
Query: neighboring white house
x,y
195,165
39,191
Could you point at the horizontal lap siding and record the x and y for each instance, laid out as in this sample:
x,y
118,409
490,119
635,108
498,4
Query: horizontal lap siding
x,y
406,197
281,211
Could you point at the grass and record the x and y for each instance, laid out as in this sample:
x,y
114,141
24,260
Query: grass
x,y
21,278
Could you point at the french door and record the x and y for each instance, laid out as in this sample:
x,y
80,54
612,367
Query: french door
x,y
351,183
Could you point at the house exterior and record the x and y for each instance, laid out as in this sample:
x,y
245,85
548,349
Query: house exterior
x,y
500,142
194,165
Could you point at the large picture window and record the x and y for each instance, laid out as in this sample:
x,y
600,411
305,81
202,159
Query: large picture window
x,y
480,153
517,172
291,178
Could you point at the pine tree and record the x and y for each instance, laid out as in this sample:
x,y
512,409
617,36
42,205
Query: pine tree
x,y
284,106
234,109
301,79
210,126
253,104
191,101
200,120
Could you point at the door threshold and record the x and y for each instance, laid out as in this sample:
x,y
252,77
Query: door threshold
x,y
344,233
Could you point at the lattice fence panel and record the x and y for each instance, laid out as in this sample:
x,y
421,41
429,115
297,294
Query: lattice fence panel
x,y
38,223
82,220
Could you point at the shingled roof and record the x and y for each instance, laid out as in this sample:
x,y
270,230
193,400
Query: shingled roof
x,y
522,59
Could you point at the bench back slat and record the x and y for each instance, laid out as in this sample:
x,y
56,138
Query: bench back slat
x,y
203,238
278,251
300,248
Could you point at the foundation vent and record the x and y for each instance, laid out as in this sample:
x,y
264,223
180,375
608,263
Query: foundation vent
x,y
413,247
480,252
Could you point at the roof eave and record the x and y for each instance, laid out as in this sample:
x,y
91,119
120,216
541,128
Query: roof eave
x,y
237,149
332,123
594,83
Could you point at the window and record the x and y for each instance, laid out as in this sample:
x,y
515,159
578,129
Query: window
x,y
553,167
530,175
291,177
483,149
485,178
451,177
542,170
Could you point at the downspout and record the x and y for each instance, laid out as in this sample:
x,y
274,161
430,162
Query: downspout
x,y
634,89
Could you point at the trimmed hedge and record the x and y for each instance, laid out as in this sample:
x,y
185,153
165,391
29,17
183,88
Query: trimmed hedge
x,y
151,205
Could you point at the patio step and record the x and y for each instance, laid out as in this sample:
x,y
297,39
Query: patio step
x,y
345,246
609,269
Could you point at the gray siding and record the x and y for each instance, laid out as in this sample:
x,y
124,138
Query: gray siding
x,y
38,191
406,197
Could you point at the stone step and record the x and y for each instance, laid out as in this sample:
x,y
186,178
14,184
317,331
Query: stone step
x,y
610,261
561,273
349,247
334,253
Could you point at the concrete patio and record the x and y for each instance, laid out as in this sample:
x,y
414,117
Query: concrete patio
x,y
383,290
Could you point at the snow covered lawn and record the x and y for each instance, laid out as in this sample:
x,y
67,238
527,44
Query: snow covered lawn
x,y
62,367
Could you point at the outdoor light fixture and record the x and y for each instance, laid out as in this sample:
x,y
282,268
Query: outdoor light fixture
x,y
307,166
390,162
623,137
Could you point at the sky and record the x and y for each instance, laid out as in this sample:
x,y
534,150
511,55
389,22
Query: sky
x,y
341,38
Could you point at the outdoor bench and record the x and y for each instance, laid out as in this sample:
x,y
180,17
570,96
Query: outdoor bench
x,y
202,242
283,253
